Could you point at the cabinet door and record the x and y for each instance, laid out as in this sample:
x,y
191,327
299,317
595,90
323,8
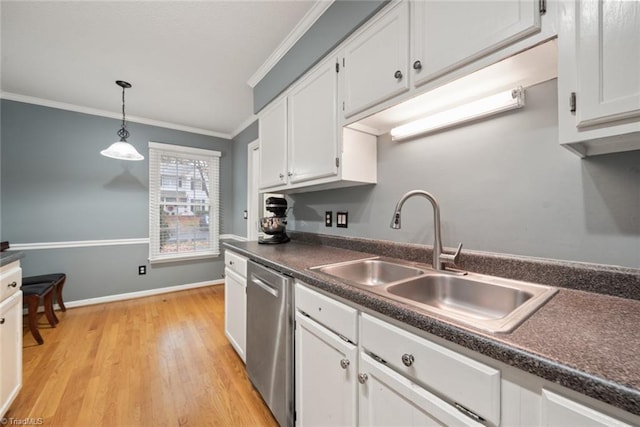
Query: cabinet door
x,y
235,311
10,350
449,34
273,145
313,134
376,61
558,411
326,370
388,399
608,61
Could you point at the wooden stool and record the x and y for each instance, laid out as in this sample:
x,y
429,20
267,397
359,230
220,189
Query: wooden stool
x,y
57,279
31,296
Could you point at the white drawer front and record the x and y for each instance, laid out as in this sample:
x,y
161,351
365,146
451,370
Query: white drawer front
x,y
471,384
10,280
235,262
334,315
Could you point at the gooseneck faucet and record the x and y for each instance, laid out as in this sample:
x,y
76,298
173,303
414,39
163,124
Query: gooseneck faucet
x,y
439,258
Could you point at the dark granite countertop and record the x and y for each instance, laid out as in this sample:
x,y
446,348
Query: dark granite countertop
x,y
585,341
8,257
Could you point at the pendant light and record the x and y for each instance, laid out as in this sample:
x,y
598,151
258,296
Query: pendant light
x,y
122,150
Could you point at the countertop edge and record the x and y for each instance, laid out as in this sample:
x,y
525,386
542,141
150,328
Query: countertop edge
x,y
8,257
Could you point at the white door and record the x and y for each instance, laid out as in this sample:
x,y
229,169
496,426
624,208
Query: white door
x,y
10,350
273,145
386,398
376,61
313,134
326,370
608,61
558,411
449,34
253,190
235,311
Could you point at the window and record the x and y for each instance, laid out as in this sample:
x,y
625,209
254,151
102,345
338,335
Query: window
x,y
183,223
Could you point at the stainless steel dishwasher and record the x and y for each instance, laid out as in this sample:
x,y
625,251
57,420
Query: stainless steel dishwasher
x,y
270,339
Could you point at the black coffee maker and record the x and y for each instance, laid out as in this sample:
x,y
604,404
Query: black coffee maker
x,y
274,226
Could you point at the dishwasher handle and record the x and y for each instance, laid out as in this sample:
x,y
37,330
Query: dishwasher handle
x,y
265,286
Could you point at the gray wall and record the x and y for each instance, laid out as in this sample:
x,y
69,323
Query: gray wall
x,y
505,185
339,20
57,187
240,152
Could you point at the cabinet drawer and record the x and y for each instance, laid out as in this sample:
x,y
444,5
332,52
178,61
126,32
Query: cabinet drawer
x,y
334,315
236,263
10,280
458,378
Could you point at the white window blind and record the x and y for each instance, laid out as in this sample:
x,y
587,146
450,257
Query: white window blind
x,y
184,202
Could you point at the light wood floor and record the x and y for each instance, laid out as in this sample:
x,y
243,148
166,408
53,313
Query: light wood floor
x,y
157,361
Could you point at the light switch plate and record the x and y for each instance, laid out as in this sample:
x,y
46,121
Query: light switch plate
x,y
342,219
328,219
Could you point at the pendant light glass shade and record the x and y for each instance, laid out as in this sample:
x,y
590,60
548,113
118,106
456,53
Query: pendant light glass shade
x,y
122,150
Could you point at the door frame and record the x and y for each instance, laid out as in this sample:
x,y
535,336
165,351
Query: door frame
x,y
253,191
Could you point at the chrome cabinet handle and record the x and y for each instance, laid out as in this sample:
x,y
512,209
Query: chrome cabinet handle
x,y
398,74
281,176
344,363
407,359
290,173
417,65
230,262
362,378
13,284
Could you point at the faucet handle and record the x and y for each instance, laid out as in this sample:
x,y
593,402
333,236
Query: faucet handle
x,y
451,258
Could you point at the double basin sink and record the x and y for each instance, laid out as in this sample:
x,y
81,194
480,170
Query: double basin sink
x,y
485,302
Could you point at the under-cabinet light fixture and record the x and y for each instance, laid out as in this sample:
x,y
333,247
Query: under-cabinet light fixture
x,y
494,104
122,150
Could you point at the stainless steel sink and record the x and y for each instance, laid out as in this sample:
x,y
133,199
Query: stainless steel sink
x,y
370,272
486,302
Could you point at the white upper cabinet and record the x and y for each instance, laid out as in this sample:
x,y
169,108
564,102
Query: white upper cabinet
x,y
376,61
301,146
313,126
449,34
273,144
599,76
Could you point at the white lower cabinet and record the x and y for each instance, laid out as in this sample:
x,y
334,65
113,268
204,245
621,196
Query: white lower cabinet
x,y
353,368
326,371
235,301
10,350
326,361
386,398
558,411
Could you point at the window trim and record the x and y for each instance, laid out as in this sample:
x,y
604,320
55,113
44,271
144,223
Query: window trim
x,y
158,148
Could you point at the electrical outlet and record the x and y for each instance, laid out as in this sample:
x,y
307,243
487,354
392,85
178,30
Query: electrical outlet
x,y
342,219
142,269
328,218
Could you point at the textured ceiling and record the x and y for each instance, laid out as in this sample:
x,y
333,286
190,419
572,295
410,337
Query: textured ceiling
x,y
188,62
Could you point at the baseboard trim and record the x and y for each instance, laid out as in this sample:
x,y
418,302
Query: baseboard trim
x,y
140,294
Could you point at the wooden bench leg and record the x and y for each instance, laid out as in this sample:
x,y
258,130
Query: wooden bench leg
x,y
32,315
48,309
59,287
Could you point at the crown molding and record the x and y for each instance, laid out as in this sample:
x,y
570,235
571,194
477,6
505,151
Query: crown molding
x,y
103,113
245,124
298,31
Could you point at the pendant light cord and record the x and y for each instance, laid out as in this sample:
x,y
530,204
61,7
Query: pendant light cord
x,y
123,133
